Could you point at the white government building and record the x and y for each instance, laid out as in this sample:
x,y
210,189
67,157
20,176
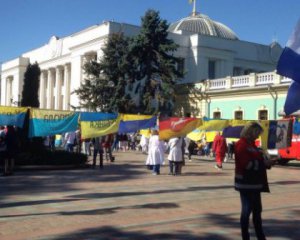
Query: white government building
x,y
209,50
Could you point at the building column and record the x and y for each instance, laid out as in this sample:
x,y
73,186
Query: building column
x,y
50,89
67,87
58,105
9,85
42,89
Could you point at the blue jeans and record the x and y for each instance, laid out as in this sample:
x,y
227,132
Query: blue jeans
x,y
69,147
156,168
251,203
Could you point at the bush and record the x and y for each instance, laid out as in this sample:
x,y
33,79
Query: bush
x,y
47,157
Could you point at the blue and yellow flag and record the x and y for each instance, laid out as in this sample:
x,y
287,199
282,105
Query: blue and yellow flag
x,y
12,116
95,124
44,122
132,122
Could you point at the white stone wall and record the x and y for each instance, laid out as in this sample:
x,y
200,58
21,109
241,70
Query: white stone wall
x,y
61,61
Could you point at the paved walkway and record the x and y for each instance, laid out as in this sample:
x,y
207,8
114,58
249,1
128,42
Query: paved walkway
x,y
125,201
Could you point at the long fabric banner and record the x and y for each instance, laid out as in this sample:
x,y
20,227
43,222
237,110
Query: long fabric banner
x,y
177,127
44,122
12,116
96,124
277,134
132,123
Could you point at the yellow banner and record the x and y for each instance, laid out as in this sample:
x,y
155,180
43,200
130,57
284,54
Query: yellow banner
x,y
134,117
196,135
145,132
264,136
214,125
93,129
49,114
12,110
235,122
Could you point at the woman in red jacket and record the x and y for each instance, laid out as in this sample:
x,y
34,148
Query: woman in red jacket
x,y
251,179
219,148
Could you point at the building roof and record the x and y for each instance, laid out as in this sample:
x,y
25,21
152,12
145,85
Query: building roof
x,y
202,24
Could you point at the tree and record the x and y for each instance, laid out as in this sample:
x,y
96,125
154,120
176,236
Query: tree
x,y
134,75
104,87
30,96
153,53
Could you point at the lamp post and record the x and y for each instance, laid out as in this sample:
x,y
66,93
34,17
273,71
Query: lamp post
x,y
274,95
16,103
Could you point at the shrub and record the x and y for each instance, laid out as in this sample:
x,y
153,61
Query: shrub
x,y
47,157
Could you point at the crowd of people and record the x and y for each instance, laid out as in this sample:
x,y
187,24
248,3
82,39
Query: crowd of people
x,y
250,161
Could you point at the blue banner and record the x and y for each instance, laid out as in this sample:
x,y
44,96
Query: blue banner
x,y
50,122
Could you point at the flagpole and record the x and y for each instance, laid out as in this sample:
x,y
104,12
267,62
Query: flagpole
x,y
194,9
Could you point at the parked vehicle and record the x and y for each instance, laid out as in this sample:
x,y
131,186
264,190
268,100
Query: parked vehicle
x,y
292,152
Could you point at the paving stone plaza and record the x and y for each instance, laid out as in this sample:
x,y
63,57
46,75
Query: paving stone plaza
x,y
125,201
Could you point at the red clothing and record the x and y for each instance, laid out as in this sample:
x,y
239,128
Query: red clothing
x,y
219,145
220,148
250,170
244,153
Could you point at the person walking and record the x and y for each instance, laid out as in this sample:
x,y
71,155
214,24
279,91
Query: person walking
x,y
108,140
219,148
70,140
175,155
251,179
156,151
98,149
11,140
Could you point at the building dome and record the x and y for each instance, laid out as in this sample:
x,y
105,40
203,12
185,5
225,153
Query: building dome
x,y
202,24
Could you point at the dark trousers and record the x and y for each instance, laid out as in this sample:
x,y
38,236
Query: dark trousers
x,y
156,168
96,151
251,203
174,167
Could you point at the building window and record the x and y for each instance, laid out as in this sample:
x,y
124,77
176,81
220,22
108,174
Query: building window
x,y
238,115
237,71
263,115
217,115
211,69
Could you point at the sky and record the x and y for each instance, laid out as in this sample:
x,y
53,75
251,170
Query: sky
x,y
29,24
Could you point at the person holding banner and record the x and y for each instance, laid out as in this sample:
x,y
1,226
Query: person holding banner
x,y
175,156
219,148
156,152
98,149
11,140
251,179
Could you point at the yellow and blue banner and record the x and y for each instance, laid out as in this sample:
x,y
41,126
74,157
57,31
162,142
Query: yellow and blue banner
x,y
95,124
214,124
146,132
132,122
45,122
14,116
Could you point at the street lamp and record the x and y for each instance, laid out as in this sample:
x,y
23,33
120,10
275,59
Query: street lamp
x,y
274,95
16,103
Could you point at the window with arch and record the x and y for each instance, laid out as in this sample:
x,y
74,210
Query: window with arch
x,y
217,115
263,115
238,115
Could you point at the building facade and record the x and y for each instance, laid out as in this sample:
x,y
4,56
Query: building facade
x,y
208,49
248,97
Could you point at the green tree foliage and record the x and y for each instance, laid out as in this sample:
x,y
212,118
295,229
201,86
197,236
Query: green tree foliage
x,y
104,87
135,74
153,52
30,98
30,93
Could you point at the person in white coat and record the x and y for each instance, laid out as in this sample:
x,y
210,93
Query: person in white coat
x,y
175,155
155,153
